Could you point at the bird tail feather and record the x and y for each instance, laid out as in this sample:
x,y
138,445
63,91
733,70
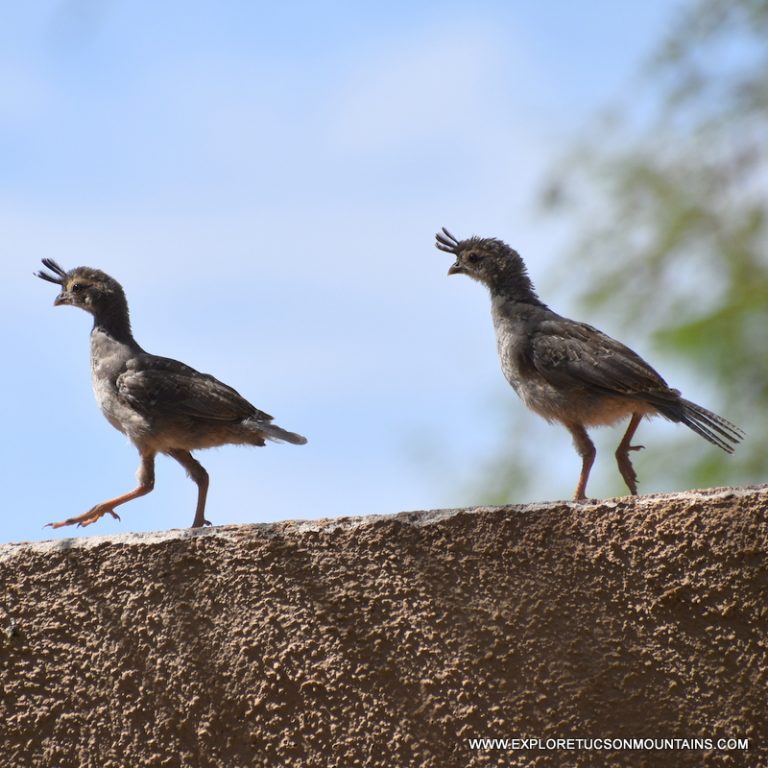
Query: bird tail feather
x,y
278,434
710,426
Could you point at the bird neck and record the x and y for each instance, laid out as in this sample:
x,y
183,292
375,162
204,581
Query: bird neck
x,y
511,283
115,321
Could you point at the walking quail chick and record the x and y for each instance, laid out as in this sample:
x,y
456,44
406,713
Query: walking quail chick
x,y
162,405
568,371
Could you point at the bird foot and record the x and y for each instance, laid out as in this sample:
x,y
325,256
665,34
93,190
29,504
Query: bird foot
x,y
91,516
627,470
635,447
201,524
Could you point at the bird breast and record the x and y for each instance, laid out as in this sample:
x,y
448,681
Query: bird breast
x,y
108,360
511,341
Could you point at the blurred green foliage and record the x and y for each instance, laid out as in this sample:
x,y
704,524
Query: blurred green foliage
x,y
666,200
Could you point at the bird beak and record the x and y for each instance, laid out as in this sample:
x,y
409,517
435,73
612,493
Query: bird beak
x,y
63,298
457,269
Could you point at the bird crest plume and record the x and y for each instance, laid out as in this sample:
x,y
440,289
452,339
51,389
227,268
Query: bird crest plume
x,y
446,241
58,278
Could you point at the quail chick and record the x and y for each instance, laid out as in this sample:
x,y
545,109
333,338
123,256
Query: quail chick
x,y
162,405
568,371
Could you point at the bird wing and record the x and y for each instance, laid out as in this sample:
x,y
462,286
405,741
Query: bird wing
x,y
159,386
571,354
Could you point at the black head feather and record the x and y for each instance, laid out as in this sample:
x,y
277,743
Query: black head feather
x,y
59,275
446,241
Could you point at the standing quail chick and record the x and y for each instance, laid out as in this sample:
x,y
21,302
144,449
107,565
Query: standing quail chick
x,y
568,371
162,405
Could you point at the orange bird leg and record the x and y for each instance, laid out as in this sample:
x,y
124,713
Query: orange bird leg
x,y
586,449
622,454
200,477
146,478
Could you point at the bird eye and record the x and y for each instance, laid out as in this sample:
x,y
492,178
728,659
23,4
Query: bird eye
x,y
76,287
473,258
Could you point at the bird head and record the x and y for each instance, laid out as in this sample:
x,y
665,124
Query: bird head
x,y
90,289
489,261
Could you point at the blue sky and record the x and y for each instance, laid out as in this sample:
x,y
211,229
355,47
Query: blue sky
x,y
265,180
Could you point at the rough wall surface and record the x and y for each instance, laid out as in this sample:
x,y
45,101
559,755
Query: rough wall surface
x,y
391,641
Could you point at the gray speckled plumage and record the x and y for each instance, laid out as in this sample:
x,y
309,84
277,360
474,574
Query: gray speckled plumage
x,y
162,405
568,371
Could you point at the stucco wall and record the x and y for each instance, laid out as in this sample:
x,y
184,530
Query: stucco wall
x,y
391,641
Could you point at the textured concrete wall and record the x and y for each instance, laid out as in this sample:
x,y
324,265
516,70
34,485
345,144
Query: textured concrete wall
x,y
391,641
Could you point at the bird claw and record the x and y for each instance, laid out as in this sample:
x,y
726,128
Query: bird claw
x,y
635,447
91,516
88,521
